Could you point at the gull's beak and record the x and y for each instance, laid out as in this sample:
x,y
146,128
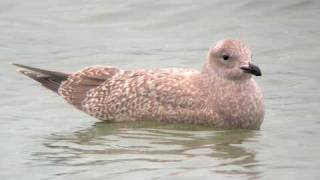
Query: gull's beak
x,y
252,69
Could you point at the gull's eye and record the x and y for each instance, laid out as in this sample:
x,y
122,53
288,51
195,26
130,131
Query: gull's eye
x,y
225,57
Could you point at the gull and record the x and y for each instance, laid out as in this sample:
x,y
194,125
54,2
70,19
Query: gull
x,y
223,94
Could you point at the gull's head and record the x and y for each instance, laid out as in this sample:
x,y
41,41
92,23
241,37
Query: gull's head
x,y
231,59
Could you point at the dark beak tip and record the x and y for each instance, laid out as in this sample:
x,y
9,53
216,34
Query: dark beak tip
x,y
252,69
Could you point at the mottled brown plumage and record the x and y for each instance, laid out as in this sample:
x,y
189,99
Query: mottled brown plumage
x,y
222,95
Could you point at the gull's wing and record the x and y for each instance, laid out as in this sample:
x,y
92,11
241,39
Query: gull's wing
x,y
71,86
75,88
143,93
49,79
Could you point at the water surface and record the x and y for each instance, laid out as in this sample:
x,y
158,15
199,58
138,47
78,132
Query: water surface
x,y
44,138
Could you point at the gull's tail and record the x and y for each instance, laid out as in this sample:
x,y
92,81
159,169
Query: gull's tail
x,y
49,79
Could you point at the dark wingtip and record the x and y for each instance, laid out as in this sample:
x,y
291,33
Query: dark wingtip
x,y
20,66
49,79
43,71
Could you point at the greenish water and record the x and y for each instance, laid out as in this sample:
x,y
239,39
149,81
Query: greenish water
x,y
42,137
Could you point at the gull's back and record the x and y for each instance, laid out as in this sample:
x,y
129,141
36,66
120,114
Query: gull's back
x,y
163,94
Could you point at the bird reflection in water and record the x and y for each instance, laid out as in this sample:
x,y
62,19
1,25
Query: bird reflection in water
x,y
153,149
